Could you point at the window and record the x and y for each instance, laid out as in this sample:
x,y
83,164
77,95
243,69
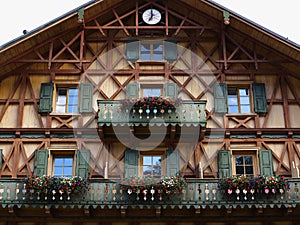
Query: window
x,y
146,50
238,100
67,100
244,165
62,162
235,99
151,90
156,163
63,98
151,51
245,162
152,165
63,166
248,161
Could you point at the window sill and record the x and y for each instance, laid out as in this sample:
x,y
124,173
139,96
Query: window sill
x,y
65,114
240,114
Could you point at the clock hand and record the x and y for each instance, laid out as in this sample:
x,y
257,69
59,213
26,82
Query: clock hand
x,y
151,15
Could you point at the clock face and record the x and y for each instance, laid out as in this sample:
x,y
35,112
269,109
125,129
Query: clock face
x,y
151,16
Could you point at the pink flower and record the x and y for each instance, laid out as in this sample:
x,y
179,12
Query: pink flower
x,y
229,191
266,190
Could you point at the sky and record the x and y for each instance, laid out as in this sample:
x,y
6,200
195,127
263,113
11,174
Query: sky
x,y
276,15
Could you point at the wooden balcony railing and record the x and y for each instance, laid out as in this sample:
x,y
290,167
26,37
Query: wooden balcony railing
x,y
198,193
187,113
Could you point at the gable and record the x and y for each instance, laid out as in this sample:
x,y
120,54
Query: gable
x,y
120,17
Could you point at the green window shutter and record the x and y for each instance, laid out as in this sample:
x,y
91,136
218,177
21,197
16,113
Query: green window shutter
x,y
86,98
265,162
132,50
171,90
172,163
40,162
220,98
1,159
259,98
171,53
82,168
46,94
132,90
131,162
224,163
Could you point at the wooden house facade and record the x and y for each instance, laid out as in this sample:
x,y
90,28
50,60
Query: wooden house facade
x,y
117,90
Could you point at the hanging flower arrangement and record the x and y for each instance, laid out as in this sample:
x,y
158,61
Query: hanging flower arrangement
x,y
151,103
47,185
167,185
261,184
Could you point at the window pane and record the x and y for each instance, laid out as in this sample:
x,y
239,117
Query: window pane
x,y
58,162
157,56
233,109
245,100
73,100
72,108
248,160
232,91
147,170
60,109
147,160
244,92
68,161
73,92
156,92
157,171
67,171
239,170
249,170
156,160
145,56
63,166
232,100
61,100
239,160
157,47
245,109
145,47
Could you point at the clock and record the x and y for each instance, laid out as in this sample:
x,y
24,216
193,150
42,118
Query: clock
x,y
151,16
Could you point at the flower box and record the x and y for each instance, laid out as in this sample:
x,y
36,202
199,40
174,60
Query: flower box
x,y
152,189
55,188
249,188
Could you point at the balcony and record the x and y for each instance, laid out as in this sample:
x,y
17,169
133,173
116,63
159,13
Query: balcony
x,y
199,193
189,114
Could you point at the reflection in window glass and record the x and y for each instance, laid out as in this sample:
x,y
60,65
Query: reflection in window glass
x,y
244,165
63,167
152,166
151,51
151,92
238,100
67,100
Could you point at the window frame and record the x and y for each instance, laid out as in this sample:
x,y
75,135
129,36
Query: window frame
x,y
238,87
151,86
67,86
245,152
160,152
60,153
152,50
